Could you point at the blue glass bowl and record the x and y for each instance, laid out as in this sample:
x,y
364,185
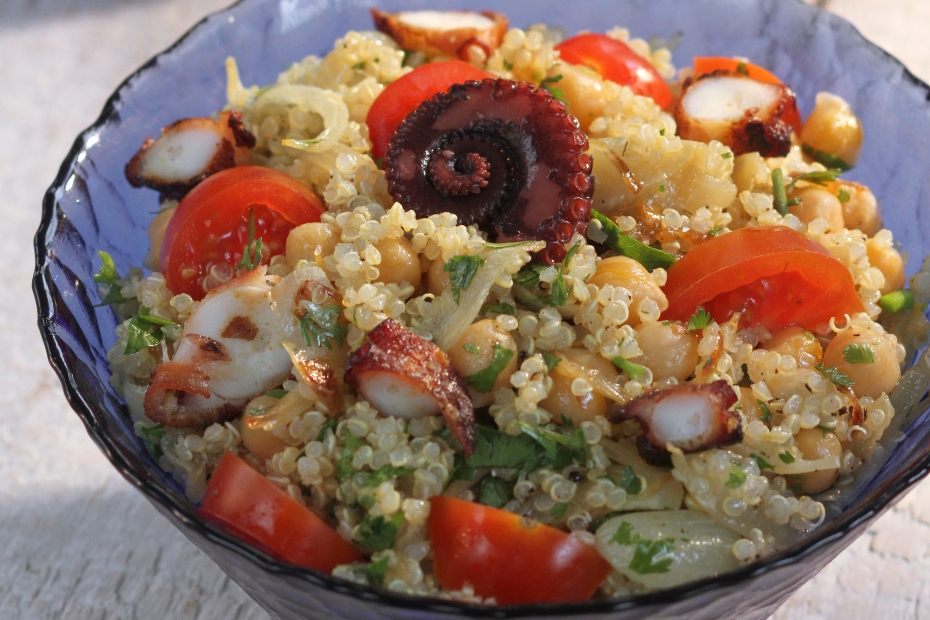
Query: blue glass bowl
x,y
91,207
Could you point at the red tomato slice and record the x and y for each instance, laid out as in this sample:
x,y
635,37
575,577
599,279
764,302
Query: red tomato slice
x,y
709,64
405,94
775,276
614,60
500,556
254,509
211,225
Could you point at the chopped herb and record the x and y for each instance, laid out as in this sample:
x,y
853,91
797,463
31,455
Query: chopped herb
x,y
472,348
597,523
461,469
379,533
736,479
786,457
635,371
859,354
761,462
558,292
624,535
329,426
344,468
630,482
742,69
376,571
151,437
716,230
558,511
484,380
262,91
555,92
461,270
496,449
379,162
699,320
570,254
797,488
649,257
766,412
827,159
252,251
320,325
366,501
646,557
529,275
554,442
662,131
662,188
818,177
505,244
107,273
551,360
779,194
843,196
834,375
727,155
359,66
567,421
114,296
502,308
278,393
508,65
494,492
824,430
897,301
388,472
145,331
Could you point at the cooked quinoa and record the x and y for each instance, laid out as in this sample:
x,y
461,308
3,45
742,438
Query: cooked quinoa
x,y
327,459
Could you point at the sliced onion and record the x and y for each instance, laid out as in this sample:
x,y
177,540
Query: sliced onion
x,y
323,102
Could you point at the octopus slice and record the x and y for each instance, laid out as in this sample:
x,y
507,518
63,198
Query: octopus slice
x,y
227,354
745,114
188,151
689,416
499,154
467,35
405,376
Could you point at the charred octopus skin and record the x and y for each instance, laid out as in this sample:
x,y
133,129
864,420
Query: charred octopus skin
x,y
501,155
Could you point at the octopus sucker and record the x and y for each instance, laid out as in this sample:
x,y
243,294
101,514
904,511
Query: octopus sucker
x,y
500,155
405,376
690,417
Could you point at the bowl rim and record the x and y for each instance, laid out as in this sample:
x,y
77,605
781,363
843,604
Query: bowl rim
x,y
44,291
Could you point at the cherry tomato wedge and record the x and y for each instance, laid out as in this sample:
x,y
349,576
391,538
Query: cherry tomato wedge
x,y
614,60
502,557
405,94
708,64
775,276
211,225
254,509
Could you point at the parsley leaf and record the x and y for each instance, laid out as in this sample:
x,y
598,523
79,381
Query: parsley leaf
x,y
859,354
359,66
635,371
560,448
496,449
494,492
827,159
344,468
107,273
379,533
699,320
559,510
843,196
646,557
624,534
472,348
461,270
736,479
151,438
630,482
555,92
761,462
502,308
742,69
834,375
897,301
252,252
144,331
388,472
484,380
625,245
376,571
114,296
716,230
320,325
558,292
551,360
529,275
329,426
766,412
786,457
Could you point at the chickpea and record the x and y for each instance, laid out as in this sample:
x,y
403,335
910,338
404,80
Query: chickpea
x,y
260,442
668,350
474,351
399,263
311,242
578,409
582,89
869,379
157,235
833,128
798,343
626,272
437,279
814,444
818,202
861,211
889,262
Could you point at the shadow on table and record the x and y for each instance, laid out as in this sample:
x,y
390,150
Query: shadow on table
x,y
14,12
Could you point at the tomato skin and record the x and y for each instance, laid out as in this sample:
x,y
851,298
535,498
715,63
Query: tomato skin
x,y
254,509
405,94
777,277
211,224
502,558
614,60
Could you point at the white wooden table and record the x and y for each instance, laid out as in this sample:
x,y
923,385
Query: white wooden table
x,y
76,541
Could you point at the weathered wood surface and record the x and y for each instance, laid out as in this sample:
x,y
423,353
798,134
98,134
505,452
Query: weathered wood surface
x,y
76,542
